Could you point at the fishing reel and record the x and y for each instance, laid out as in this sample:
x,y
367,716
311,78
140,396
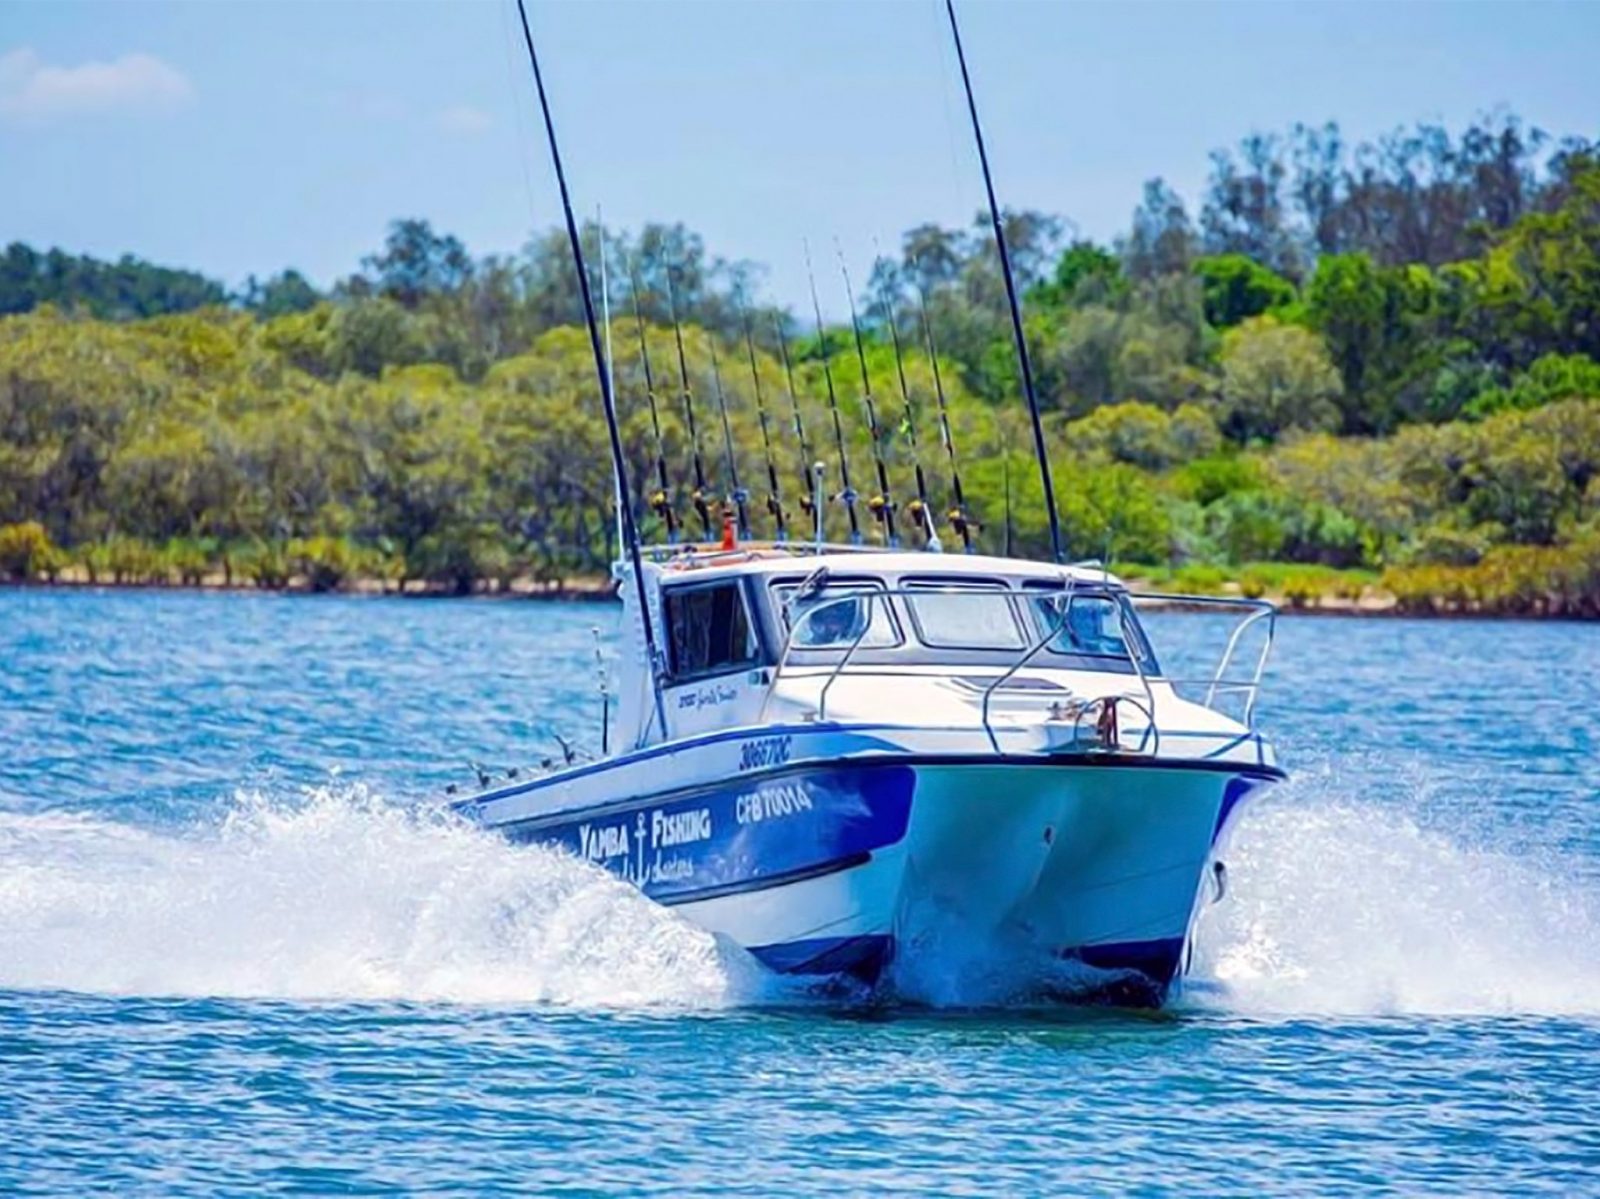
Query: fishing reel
x,y
963,524
661,505
882,508
917,510
702,507
921,516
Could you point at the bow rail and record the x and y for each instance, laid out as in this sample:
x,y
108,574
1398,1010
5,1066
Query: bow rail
x,y
858,603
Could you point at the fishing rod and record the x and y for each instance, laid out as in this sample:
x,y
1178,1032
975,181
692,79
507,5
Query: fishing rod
x,y
618,499
619,462
1005,475
1011,294
808,482
740,497
960,519
661,499
848,495
774,492
702,504
919,508
921,513
882,504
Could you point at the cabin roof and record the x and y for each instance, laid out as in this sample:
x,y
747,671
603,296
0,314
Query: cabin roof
x,y
766,558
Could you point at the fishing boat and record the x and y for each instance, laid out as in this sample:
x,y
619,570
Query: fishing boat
x,y
868,756
852,760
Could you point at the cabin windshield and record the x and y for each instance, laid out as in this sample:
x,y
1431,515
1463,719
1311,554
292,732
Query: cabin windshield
x,y
836,616
939,619
965,616
1092,624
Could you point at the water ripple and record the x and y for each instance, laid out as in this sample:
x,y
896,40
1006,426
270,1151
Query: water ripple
x,y
238,952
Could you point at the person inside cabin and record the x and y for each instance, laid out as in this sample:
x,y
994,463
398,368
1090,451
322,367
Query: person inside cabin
x,y
834,621
1086,625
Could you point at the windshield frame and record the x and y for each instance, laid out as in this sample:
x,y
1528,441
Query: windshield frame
x,y
1135,639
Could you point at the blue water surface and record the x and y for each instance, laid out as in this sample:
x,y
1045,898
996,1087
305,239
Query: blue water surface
x,y
238,954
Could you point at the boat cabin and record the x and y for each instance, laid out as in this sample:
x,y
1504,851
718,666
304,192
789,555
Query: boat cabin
x,y
729,628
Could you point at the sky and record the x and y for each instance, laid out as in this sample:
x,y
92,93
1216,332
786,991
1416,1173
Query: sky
x,y
245,137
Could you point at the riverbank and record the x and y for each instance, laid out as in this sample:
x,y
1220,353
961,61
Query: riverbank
x,y
1366,600
582,587
1515,581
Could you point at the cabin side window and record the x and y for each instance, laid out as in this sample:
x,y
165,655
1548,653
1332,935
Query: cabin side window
x,y
709,630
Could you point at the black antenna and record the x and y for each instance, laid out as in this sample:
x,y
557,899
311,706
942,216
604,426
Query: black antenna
x,y
882,504
740,497
661,500
630,532
702,503
1011,294
774,492
848,495
807,482
919,506
960,519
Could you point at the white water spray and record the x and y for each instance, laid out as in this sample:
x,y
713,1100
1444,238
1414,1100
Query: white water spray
x,y
1333,908
340,896
1336,907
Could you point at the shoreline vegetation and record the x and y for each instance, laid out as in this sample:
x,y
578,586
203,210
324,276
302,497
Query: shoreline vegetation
x,y
292,570
1327,592
1359,378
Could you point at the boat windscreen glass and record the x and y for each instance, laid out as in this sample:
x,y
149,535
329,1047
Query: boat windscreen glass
x,y
709,629
1093,624
835,616
965,617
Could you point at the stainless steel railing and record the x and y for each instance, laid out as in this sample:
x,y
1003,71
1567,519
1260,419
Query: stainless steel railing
x,y
1132,640
862,604
1218,684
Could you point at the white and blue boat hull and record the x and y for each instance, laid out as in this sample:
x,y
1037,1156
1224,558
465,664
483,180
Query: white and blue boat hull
x,y
845,851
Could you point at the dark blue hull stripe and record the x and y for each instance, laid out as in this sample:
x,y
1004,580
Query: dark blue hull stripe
x,y
863,956
866,956
740,835
1156,960
766,883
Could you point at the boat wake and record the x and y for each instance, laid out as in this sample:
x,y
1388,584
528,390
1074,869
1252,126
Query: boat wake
x,y
340,895
1339,907
1333,908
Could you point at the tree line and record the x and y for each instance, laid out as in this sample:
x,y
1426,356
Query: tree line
x,y
1384,357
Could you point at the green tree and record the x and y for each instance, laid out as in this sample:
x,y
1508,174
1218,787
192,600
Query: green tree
x,y
1277,377
1551,377
284,293
1375,321
1085,273
1237,288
